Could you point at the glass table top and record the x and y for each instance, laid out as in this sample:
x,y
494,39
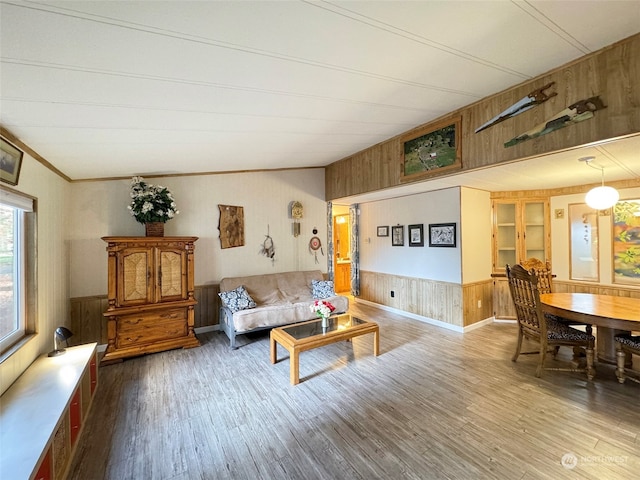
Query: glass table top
x,y
334,323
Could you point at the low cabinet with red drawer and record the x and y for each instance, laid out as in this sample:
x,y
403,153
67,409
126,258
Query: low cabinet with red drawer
x,y
43,412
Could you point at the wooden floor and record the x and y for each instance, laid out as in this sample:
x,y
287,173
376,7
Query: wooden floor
x,y
435,404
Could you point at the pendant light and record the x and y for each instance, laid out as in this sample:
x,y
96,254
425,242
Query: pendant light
x,y
602,197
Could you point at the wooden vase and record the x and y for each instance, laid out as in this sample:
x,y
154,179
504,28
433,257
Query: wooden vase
x,y
154,229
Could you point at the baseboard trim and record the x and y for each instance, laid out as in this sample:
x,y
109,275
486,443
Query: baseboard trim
x,y
207,329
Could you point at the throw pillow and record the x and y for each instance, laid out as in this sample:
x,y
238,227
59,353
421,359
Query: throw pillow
x,y
238,299
322,289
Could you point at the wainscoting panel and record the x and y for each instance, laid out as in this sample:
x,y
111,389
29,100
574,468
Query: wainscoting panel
x,y
208,308
477,301
88,324
562,286
428,298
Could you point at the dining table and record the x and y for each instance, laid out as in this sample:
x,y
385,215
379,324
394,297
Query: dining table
x,y
610,315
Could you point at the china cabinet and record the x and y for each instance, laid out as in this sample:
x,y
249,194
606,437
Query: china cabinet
x,y
520,231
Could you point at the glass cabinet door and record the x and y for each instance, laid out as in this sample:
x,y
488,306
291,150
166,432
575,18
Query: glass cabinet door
x,y
506,235
534,231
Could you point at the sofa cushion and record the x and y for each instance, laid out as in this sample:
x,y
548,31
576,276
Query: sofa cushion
x,y
321,289
237,299
276,288
286,313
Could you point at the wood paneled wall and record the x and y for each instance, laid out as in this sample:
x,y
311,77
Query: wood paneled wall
x,y
613,73
447,302
477,301
566,286
88,324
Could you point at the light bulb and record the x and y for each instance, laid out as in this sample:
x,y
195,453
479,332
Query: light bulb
x,y
601,198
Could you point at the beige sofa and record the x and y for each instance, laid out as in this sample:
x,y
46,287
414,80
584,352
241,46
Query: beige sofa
x,y
280,298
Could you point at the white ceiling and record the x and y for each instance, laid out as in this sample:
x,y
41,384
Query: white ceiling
x,y
105,89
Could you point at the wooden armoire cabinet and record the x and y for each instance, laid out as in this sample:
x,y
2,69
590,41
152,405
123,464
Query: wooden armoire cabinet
x,y
151,295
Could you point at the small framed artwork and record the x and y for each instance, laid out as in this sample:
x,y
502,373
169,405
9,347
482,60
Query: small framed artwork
x,y
442,234
397,236
416,238
10,162
383,231
583,245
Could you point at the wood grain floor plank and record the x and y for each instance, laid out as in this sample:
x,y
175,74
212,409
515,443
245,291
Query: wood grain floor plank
x,y
436,404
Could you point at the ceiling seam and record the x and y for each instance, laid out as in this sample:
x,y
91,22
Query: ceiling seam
x,y
552,26
248,50
386,27
64,67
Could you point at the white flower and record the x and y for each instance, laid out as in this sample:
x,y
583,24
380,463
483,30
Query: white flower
x,y
151,203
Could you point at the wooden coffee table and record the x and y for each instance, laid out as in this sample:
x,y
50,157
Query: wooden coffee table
x,y
308,335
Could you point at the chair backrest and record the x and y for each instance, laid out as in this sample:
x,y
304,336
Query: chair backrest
x,y
542,270
523,286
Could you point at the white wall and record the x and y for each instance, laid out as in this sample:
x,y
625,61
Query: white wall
x,y
560,251
52,195
378,255
475,232
100,209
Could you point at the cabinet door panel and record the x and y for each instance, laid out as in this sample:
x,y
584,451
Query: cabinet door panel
x,y
172,280
134,285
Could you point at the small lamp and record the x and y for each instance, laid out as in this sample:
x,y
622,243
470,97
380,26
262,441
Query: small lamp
x,y
602,197
60,334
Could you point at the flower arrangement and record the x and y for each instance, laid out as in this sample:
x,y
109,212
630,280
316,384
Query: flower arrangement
x,y
322,308
151,203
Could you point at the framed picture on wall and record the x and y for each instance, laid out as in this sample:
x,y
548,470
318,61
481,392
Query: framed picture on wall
x,y
432,149
10,162
442,234
626,242
397,236
583,243
383,231
416,238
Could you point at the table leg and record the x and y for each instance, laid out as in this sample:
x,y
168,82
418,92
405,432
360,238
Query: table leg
x,y
376,342
606,346
274,349
294,367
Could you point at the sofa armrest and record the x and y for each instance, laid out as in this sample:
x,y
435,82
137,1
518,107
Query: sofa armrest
x,y
226,324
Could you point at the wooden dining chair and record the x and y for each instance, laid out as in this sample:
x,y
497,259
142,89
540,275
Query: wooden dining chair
x,y
534,325
626,344
542,270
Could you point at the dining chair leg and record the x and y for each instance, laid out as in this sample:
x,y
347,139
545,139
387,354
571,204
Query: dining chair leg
x,y
543,354
518,345
620,358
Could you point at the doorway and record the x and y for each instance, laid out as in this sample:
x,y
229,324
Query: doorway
x,y
342,252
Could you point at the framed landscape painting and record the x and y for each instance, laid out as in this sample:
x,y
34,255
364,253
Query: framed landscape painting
x,y
432,150
10,162
626,242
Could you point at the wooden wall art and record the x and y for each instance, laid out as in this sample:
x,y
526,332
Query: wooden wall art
x,y
577,112
231,226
